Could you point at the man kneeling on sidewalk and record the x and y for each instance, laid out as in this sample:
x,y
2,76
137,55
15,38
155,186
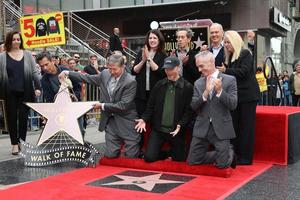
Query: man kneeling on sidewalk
x,y
168,111
215,95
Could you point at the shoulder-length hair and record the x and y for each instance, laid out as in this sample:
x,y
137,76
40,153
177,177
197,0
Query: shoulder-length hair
x,y
9,39
161,39
237,44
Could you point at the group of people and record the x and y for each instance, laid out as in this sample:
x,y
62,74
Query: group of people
x,y
211,94
288,84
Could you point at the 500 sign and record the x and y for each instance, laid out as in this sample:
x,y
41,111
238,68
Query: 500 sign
x,y
43,30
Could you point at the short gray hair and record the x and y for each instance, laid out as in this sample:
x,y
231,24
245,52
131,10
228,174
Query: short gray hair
x,y
189,32
205,54
116,59
217,25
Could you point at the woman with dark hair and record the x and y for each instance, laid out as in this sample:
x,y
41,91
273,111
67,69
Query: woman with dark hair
x,y
17,73
147,67
239,63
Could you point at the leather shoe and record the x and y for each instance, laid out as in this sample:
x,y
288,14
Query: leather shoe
x,y
234,161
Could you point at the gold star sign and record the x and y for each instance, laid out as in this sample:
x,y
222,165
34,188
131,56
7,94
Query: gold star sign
x,y
62,115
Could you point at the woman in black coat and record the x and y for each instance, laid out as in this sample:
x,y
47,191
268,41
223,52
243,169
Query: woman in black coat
x,y
239,63
148,67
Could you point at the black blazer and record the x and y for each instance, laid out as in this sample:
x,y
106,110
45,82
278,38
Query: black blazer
x,y
190,71
220,58
183,98
154,75
49,91
243,70
115,43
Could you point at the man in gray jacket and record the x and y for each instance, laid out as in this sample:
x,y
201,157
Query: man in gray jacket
x,y
215,95
118,112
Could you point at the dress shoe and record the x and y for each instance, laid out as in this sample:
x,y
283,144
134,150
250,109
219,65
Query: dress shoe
x,y
234,161
243,162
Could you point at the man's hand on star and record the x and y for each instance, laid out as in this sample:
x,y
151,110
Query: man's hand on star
x,y
97,106
63,75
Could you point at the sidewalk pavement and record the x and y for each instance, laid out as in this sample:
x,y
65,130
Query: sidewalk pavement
x,y
92,135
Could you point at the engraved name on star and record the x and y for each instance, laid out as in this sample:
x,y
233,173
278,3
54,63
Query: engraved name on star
x,y
62,115
145,182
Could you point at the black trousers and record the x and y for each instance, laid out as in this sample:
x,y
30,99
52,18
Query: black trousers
x,y
156,141
295,99
17,116
244,125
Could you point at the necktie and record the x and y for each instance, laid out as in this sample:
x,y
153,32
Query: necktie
x,y
211,82
112,85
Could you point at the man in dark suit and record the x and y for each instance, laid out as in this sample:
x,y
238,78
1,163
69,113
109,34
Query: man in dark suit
x,y
118,112
215,95
217,47
216,34
168,112
50,82
187,56
115,42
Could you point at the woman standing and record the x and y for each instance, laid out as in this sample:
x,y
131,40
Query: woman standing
x,y
294,84
17,74
239,63
147,67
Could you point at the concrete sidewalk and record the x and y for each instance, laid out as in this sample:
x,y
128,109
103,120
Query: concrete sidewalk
x,y
92,135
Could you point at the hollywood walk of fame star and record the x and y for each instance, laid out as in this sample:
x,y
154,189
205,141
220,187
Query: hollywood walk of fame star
x,y
198,43
62,115
145,182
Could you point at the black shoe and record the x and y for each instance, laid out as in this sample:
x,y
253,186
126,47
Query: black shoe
x,y
244,162
141,155
234,161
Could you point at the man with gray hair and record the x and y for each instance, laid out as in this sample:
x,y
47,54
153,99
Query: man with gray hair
x,y
217,48
118,112
215,95
186,55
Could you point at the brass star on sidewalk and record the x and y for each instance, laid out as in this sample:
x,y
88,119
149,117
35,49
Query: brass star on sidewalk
x,y
145,182
62,115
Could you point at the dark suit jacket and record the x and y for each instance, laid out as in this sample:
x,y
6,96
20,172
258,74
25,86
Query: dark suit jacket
x,y
220,58
190,71
90,70
49,91
217,108
154,75
115,43
122,105
242,69
183,97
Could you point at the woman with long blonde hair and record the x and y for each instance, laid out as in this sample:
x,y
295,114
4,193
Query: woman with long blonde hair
x,y
239,63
